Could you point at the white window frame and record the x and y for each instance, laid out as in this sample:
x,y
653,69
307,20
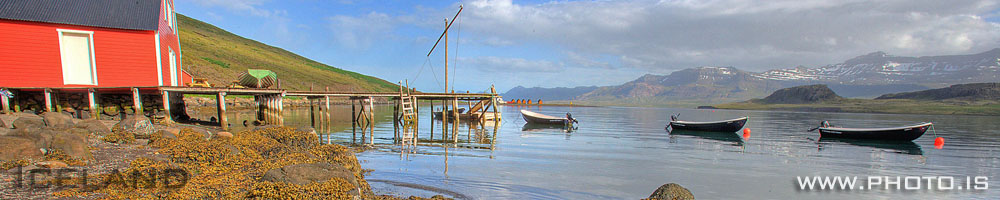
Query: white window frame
x,y
159,61
174,73
167,13
93,60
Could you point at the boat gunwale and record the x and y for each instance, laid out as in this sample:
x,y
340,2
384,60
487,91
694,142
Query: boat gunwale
x,y
841,129
714,122
540,115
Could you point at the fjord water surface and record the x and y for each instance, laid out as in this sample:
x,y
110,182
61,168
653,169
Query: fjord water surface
x,y
625,153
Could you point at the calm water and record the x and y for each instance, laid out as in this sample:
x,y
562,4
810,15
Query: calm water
x,y
625,153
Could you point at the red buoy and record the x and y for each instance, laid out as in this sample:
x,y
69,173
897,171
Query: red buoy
x,y
939,142
746,133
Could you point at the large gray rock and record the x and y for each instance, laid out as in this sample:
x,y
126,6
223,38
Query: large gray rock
x,y
169,133
27,121
302,174
7,121
93,126
41,137
57,120
671,191
140,126
73,145
17,148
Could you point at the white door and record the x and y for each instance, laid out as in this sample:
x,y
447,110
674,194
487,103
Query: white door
x,y
77,61
173,67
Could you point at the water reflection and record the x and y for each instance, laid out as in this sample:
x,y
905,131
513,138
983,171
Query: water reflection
x,y
903,147
533,127
726,137
624,153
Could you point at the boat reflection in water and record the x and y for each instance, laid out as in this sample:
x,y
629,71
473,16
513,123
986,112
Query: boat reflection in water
x,y
535,127
901,147
727,137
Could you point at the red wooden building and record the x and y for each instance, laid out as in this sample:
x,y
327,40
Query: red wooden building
x,y
94,56
92,43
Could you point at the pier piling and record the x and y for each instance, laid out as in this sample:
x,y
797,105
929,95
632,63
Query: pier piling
x,y
136,102
48,100
221,101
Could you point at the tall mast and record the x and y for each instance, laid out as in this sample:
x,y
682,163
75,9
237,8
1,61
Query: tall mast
x,y
446,58
445,36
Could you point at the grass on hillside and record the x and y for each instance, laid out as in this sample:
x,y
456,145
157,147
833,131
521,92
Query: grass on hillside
x,y
900,106
218,55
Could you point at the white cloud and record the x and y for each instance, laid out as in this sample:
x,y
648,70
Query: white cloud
x,y
755,35
580,60
514,65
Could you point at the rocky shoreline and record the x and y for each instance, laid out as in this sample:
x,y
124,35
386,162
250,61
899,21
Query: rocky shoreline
x,y
55,156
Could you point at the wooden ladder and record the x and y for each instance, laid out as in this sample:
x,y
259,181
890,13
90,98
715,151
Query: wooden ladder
x,y
406,105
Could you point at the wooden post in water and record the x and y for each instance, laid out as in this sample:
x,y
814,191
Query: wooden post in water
x,y
395,119
416,118
256,107
432,120
396,115
267,108
281,109
274,109
221,100
329,115
354,122
454,110
312,110
371,118
444,120
496,115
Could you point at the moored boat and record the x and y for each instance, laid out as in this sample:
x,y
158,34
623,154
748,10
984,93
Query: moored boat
x,y
538,118
731,125
257,78
902,133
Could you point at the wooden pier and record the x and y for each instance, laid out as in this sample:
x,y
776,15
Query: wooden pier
x,y
269,105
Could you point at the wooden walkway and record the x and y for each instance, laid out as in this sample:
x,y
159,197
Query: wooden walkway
x,y
270,104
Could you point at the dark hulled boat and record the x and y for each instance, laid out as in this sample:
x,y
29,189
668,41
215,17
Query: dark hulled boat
x,y
731,125
902,133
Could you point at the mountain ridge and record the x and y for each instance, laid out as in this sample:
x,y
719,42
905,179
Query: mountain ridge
x,y
866,76
968,92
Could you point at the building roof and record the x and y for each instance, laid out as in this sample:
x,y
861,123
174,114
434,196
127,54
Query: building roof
x,y
120,14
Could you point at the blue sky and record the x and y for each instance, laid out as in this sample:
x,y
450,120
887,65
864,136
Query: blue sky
x,y
584,43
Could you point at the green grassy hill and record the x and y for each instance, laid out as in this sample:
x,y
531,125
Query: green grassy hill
x,y
218,55
965,99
